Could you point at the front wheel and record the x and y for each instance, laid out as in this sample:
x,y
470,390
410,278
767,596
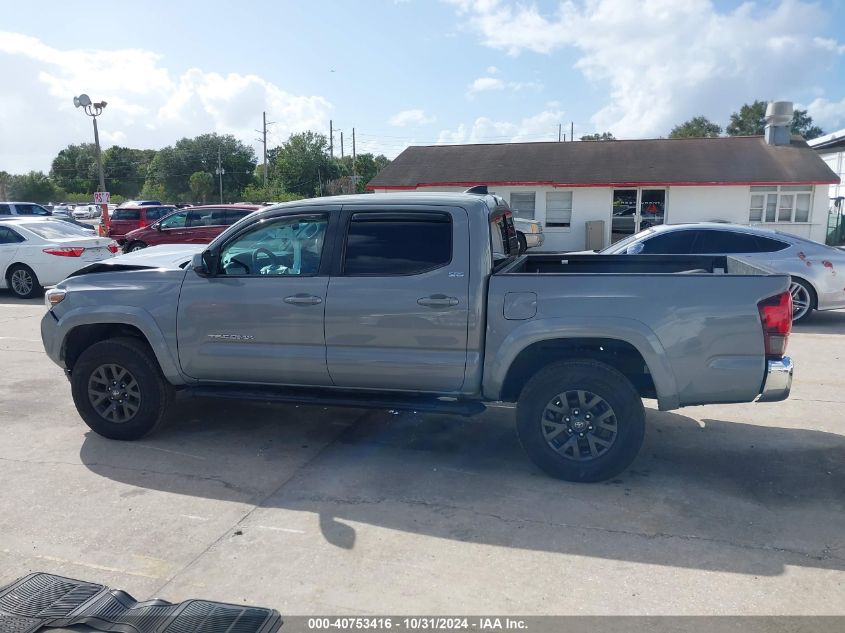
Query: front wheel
x,y
580,420
135,246
119,389
23,282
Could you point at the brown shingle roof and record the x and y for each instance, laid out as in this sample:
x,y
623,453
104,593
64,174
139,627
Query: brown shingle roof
x,y
733,160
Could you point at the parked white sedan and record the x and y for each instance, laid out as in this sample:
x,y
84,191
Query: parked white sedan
x,y
86,211
36,252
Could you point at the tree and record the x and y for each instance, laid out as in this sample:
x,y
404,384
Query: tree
x,y
125,169
303,163
802,124
35,186
75,168
366,167
273,192
173,166
697,127
201,184
5,179
751,121
604,136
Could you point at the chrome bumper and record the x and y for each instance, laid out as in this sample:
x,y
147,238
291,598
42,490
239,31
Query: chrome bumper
x,y
778,380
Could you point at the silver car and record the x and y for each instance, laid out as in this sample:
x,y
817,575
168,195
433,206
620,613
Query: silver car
x,y
529,233
818,271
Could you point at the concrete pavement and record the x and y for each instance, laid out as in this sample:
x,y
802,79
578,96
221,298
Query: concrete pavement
x,y
728,509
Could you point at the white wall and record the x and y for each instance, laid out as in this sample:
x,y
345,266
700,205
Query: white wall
x,y
683,204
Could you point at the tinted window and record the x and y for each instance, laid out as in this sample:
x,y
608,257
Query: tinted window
x,y
175,220
155,214
8,236
127,214
206,217
288,246
766,245
5,209
671,243
715,241
233,215
395,244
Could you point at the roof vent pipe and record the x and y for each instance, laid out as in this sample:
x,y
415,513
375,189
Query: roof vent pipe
x,y
779,122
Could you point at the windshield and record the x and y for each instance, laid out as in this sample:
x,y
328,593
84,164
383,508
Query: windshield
x,y
55,230
621,245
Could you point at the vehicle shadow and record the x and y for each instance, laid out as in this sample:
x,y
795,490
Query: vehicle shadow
x,y
714,495
827,322
7,298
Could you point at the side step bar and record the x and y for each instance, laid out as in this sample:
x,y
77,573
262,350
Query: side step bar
x,y
328,398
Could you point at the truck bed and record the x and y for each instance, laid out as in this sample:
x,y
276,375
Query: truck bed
x,y
562,263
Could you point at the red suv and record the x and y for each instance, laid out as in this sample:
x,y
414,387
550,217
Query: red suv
x,y
196,225
126,219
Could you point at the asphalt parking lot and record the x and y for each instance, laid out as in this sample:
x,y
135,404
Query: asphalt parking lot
x,y
728,510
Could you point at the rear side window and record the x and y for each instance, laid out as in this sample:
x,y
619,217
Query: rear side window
x,y
127,214
768,245
233,215
206,217
671,243
8,236
156,214
31,209
716,242
5,209
397,244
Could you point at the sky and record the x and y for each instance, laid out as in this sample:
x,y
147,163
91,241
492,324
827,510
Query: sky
x,y
405,72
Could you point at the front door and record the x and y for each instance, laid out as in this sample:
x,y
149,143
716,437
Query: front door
x,y
397,306
260,318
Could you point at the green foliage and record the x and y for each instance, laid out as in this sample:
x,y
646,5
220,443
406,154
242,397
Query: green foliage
x,y
697,127
35,186
152,191
751,121
125,169
5,179
201,184
88,198
75,168
303,163
604,136
273,192
173,166
366,167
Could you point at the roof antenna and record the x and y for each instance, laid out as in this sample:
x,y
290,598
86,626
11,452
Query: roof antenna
x,y
478,189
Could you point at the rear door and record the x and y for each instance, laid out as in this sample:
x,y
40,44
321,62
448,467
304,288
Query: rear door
x,y
204,225
9,240
397,305
260,319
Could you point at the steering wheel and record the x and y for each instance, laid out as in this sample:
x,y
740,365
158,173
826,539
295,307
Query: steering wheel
x,y
256,266
310,230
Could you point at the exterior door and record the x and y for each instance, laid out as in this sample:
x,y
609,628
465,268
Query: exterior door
x,y
260,319
173,229
9,241
397,307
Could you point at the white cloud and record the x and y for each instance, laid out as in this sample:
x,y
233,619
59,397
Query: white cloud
x,y
486,84
666,60
540,127
829,115
149,104
411,117
492,70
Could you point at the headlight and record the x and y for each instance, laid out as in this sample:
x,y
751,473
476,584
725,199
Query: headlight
x,y
536,228
54,297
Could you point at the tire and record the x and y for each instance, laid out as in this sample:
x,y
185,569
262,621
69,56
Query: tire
x,y
598,456
135,246
804,292
150,396
523,243
23,282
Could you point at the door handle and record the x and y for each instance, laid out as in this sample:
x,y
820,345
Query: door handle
x,y
303,300
438,301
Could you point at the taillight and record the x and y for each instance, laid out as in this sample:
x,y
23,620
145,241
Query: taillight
x,y
113,247
776,317
65,251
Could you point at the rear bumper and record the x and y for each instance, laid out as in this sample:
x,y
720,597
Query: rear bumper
x,y
778,380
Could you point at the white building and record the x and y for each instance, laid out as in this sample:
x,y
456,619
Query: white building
x,y
831,148
775,180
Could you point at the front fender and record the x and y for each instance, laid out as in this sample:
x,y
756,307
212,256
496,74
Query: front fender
x,y
631,331
124,315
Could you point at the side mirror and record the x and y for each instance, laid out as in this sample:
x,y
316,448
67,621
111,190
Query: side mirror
x,y
204,264
157,226
198,265
635,249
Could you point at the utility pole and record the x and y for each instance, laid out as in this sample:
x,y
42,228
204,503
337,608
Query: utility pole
x,y
220,172
354,174
572,130
331,139
559,126
341,145
263,141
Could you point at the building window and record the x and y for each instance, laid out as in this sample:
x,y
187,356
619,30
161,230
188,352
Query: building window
x,y
787,203
522,205
559,208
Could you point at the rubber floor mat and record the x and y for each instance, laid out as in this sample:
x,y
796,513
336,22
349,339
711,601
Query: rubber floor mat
x,y
44,600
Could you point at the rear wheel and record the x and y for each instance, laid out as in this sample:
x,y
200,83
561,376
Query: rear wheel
x,y
23,282
119,390
580,420
803,299
135,246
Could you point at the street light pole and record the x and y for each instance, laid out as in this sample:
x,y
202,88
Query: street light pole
x,y
94,110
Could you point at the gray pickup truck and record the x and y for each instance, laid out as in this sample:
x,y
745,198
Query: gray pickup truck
x,y
420,301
